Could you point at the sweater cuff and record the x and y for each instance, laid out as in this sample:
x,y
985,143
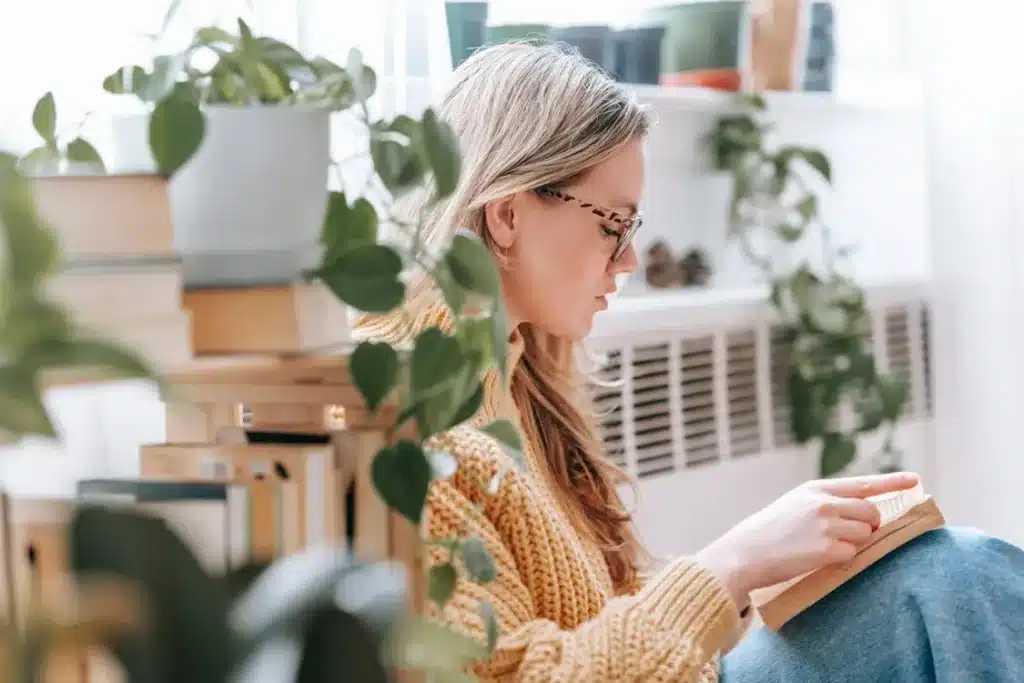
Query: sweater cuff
x,y
686,598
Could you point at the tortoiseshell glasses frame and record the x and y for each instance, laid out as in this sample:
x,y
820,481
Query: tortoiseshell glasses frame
x,y
629,224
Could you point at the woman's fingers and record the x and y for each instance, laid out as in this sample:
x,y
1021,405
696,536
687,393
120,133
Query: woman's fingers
x,y
857,509
849,530
868,485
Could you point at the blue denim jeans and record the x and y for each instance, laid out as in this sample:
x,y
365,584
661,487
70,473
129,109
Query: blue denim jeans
x,y
947,607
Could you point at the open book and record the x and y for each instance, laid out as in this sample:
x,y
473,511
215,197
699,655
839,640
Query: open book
x,y
905,516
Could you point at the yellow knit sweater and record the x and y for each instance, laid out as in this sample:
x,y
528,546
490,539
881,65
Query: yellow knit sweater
x,y
560,619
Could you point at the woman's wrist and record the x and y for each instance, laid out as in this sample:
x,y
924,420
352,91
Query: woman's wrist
x,y
730,571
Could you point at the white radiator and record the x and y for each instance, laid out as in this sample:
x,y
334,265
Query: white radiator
x,y
698,412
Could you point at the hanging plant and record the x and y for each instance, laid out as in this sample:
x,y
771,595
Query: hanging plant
x,y
836,390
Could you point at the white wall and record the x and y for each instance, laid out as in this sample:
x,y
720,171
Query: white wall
x,y
101,428
879,202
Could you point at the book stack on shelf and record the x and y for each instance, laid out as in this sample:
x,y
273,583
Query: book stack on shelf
x,y
122,277
267,445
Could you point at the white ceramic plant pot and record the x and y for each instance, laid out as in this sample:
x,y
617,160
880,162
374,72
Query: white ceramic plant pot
x,y
249,205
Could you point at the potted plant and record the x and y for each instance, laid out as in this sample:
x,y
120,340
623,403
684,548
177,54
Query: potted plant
x,y
702,42
241,123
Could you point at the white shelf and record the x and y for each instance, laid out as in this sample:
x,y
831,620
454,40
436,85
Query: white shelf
x,y
637,308
695,99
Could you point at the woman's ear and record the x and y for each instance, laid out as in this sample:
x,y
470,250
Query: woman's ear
x,y
501,223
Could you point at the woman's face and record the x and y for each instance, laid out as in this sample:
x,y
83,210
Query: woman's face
x,y
560,251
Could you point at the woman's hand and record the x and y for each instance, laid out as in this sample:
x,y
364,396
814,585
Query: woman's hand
x,y
816,524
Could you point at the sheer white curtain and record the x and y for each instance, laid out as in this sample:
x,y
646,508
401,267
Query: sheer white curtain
x,y
975,127
69,47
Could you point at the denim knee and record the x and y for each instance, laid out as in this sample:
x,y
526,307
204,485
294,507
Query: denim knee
x,y
949,557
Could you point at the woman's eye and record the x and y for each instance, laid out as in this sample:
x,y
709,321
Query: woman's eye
x,y
608,232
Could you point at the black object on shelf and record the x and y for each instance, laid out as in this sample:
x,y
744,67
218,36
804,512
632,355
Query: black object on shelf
x,y
638,54
593,42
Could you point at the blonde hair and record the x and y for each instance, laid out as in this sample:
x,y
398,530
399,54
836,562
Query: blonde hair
x,y
527,116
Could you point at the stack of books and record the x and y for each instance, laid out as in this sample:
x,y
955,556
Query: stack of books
x,y
122,277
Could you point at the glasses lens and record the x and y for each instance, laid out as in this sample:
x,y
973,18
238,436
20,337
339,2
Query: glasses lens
x,y
627,237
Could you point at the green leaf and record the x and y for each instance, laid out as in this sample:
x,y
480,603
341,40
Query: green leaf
x,y
474,335
338,646
398,155
754,101
816,159
288,61
44,117
246,33
346,227
819,162
491,628
366,277
102,357
807,207
837,452
362,78
211,35
22,411
325,67
870,409
401,474
443,464
32,250
41,160
789,233
472,266
436,357
125,544
81,151
374,369
226,86
454,295
161,82
807,414
442,151
893,389
444,386
127,80
441,583
30,320
176,130
500,335
272,87
426,645
468,408
478,561
505,433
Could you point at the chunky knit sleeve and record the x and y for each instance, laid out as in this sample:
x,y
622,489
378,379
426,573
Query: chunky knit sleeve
x,y
671,629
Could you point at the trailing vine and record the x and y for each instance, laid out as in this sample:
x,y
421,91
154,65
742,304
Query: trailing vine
x,y
836,389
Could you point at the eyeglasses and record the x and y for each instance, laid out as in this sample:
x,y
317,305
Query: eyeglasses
x,y
630,224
